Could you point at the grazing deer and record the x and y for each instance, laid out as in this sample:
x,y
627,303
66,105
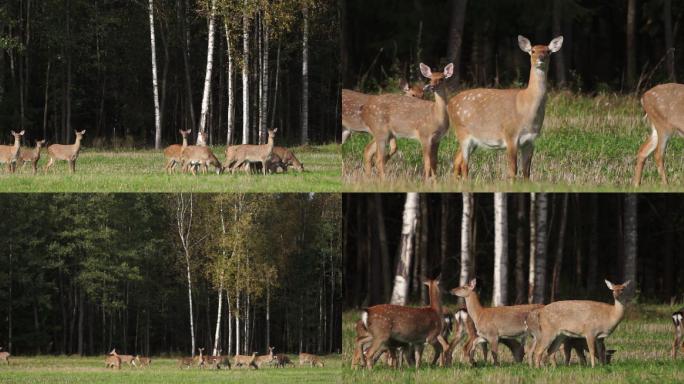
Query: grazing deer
x,y
495,323
217,361
112,361
10,153
265,359
237,155
591,320
390,116
678,320
663,106
408,325
142,361
504,118
68,153
31,155
246,360
284,158
312,360
282,360
127,359
186,362
392,349
199,156
172,153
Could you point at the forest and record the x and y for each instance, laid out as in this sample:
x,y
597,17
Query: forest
x,y
133,73
557,247
162,274
613,45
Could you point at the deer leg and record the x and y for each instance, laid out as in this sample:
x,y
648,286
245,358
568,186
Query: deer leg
x,y
427,159
263,166
368,154
372,351
601,348
591,344
380,143
35,167
677,341
393,147
644,152
72,166
418,352
567,352
660,157
542,345
512,154
495,349
49,164
527,152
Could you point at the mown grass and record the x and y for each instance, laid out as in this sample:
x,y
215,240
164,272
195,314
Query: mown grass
x,y
586,144
143,171
643,341
48,369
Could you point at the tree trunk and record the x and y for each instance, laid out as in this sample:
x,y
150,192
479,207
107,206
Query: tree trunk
x,y
669,41
268,315
305,76
631,44
500,250
408,232
81,324
520,293
558,262
466,232
186,62
245,75
533,248
155,88
230,323
217,333
184,212
47,94
210,66
263,109
231,89
458,12
542,237
631,246
559,60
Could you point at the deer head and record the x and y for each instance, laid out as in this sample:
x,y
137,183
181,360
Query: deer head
x,y
39,143
465,290
617,288
436,78
17,135
539,54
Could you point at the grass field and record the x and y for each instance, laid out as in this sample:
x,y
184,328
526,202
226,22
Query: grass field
x,y
46,369
586,144
143,171
643,341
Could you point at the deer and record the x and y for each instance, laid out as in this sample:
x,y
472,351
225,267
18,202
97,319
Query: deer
x,y
284,158
9,153
678,319
663,107
65,152
4,356
112,361
197,156
590,320
495,323
218,360
127,359
312,360
27,155
389,116
265,359
237,155
246,360
200,360
186,362
408,325
282,359
142,361
172,153
391,352
504,118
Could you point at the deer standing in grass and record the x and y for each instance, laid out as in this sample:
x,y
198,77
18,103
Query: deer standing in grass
x,y
312,360
358,357
31,155
237,155
66,152
591,320
281,360
199,156
409,325
664,107
142,361
10,153
4,356
678,320
495,323
390,116
217,361
504,118
125,359
186,362
246,360
265,359
112,361
173,152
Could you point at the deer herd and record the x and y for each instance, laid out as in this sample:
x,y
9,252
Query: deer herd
x,y
400,332
509,119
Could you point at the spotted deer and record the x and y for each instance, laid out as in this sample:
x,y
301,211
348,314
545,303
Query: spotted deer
x,y
246,360
32,156
495,323
112,361
389,116
312,360
218,361
410,325
678,320
664,107
590,320
238,155
65,152
125,359
504,118
10,153
172,153
195,156
265,359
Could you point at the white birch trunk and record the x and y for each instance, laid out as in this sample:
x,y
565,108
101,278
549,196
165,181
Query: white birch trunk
x,y
231,90
230,323
305,76
155,88
466,247
533,248
218,317
245,76
237,316
248,308
500,250
183,214
210,66
263,110
540,268
408,232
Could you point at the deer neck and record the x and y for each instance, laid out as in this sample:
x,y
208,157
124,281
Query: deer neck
x,y
473,306
269,144
618,309
185,141
17,144
439,109
77,145
535,93
435,302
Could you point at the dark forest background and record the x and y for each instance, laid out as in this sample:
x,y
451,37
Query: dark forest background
x,y
592,248
609,45
82,274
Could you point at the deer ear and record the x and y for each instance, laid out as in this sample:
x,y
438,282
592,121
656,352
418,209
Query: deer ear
x,y
556,44
626,283
524,44
609,284
21,133
473,283
448,70
425,70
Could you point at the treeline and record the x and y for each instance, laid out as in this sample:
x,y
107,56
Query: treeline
x,y
82,274
610,45
86,64
578,240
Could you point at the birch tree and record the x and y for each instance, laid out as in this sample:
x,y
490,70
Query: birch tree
x,y
184,212
245,74
231,87
210,65
155,88
500,250
533,248
466,231
520,294
408,232
305,74
540,256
